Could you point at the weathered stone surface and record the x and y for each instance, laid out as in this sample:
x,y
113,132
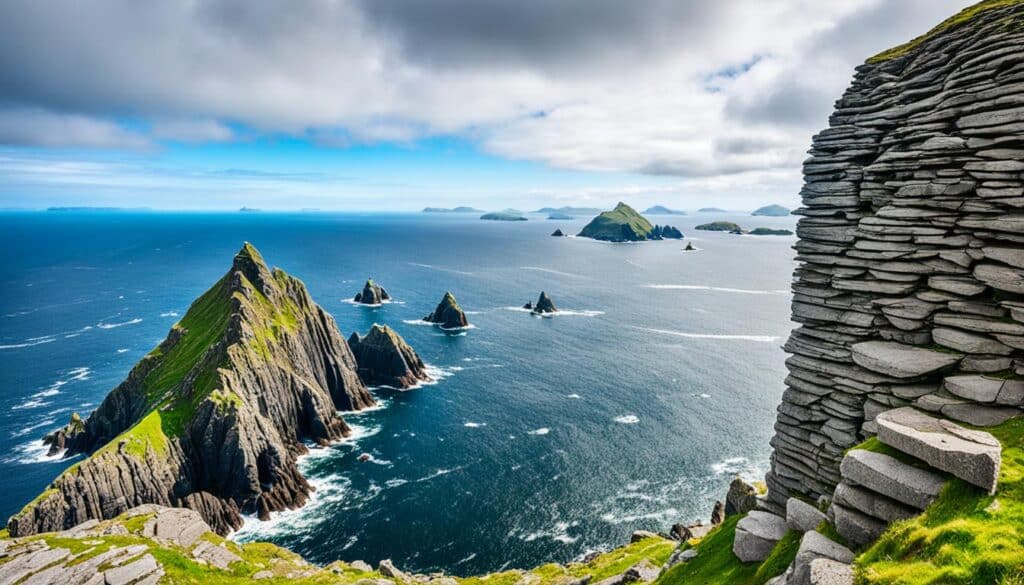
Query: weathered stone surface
x,y
829,572
741,498
448,314
871,503
969,342
813,546
214,555
384,358
756,535
643,572
973,456
372,294
801,516
892,478
985,389
858,529
133,571
899,360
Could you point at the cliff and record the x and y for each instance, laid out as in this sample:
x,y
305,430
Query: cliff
x,y
214,418
385,359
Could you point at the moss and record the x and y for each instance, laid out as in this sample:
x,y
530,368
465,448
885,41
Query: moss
x,y
715,564
964,16
965,536
613,225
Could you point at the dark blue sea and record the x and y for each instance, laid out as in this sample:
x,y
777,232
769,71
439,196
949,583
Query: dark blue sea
x,y
544,438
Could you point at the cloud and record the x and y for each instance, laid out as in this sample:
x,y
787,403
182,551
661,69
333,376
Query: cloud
x,y
664,87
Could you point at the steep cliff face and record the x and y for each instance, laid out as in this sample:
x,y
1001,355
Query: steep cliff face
x,y
214,418
385,359
910,288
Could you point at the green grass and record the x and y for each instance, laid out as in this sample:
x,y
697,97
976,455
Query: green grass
x,y
715,564
965,536
611,224
965,15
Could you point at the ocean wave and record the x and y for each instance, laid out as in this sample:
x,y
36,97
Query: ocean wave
x,y
660,515
559,532
439,473
38,341
121,324
441,268
552,271
757,338
474,425
26,430
739,466
31,403
370,305
169,314
569,312
540,431
327,491
393,483
575,396
744,291
32,452
627,419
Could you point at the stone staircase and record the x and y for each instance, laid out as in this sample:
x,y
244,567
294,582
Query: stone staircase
x,y
874,490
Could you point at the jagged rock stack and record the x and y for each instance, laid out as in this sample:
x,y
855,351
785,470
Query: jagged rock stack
x,y
543,306
910,288
214,418
372,294
385,359
448,314
557,233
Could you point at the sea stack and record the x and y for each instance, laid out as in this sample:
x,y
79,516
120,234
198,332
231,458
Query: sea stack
x,y
373,294
544,305
557,233
215,417
448,314
624,224
385,359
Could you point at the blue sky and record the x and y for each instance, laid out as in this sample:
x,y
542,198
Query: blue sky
x,y
389,105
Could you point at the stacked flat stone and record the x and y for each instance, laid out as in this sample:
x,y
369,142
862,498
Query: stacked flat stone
x,y
910,287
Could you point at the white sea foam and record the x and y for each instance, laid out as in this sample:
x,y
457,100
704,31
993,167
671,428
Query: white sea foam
x,y
169,314
744,291
738,465
559,312
757,338
28,343
666,514
121,324
551,271
32,452
575,396
540,431
393,483
441,268
26,430
368,305
474,425
438,473
122,350
627,419
559,532
467,559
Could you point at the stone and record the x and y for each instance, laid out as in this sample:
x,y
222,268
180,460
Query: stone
x,y
871,503
801,516
979,415
361,566
383,358
986,389
1001,277
899,360
448,314
216,556
858,529
741,498
888,476
756,535
973,456
718,513
968,342
643,572
388,569
179,526
813,546
372,294
131,572
829,572
680,556
639,535
544,305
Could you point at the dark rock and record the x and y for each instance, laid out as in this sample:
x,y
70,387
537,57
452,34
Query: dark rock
x,y
448,314
622,224
719,226
718,513
689,247
557,233
742,497
544,305
385,359
763,231
372,294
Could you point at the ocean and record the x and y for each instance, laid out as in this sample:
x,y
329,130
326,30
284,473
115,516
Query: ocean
x,y
542,438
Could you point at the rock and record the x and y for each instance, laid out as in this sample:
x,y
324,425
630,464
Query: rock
x,y
985,389
679,556
829,572
361,566
383,358
558,233
448,314
741,498
689,247
887,476
643,572
773,210
858,529
639,535
622,224
969,342
973,456
813,546
215,556
872,504
179,526
756,536
718,513
372,294
679,532
388,569
131,572
720,226
899,360
544,305
801,516
260,575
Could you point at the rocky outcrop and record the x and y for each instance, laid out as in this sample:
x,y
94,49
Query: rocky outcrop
x,y
666,232
543,306
214,418
372,294
773,210
557,233
385,359
624,224
909,286
448,314
756,535
719,226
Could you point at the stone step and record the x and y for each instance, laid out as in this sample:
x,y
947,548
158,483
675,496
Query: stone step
x,y
801,516
973,456
892,478
756,535
899,360
871,503
858,529
815,545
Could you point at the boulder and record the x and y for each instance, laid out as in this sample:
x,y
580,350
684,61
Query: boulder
x,y
973,456
756,536
678,556
829,572
813,546
558,233
892,478
899,360
741,498
985,389
801,516
718,513
871,503
643,572
858,529
388,569
448,314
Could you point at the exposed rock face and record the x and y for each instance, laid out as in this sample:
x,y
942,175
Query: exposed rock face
x,y
214,418
385,359
742,497
911,251
448,314
557,233
756,535
666,232
544,305
372,294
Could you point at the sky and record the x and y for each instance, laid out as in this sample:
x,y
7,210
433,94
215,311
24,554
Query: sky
x,y
394,105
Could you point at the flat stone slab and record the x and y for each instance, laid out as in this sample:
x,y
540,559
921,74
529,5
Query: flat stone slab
x,y
858,529
801,516
871,503
985,389
815,545
892,478
756,535
899,360
973,456
829,572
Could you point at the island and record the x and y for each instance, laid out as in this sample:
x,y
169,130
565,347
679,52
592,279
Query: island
x,y
719,226
460,209
624,224
372,294
763,231
570,210
448,314
385,359
773,210
506,215
557,233
249,210
543,306
559,215
662,210
711,210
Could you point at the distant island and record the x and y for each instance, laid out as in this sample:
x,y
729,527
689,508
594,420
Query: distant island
x,y
662,210
569,210
763,231
624,224
98,209
559,215
719,226
773,210
506,215
711,210
244,209
460,209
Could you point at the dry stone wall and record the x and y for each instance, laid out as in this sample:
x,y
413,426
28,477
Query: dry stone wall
x,y
910,287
